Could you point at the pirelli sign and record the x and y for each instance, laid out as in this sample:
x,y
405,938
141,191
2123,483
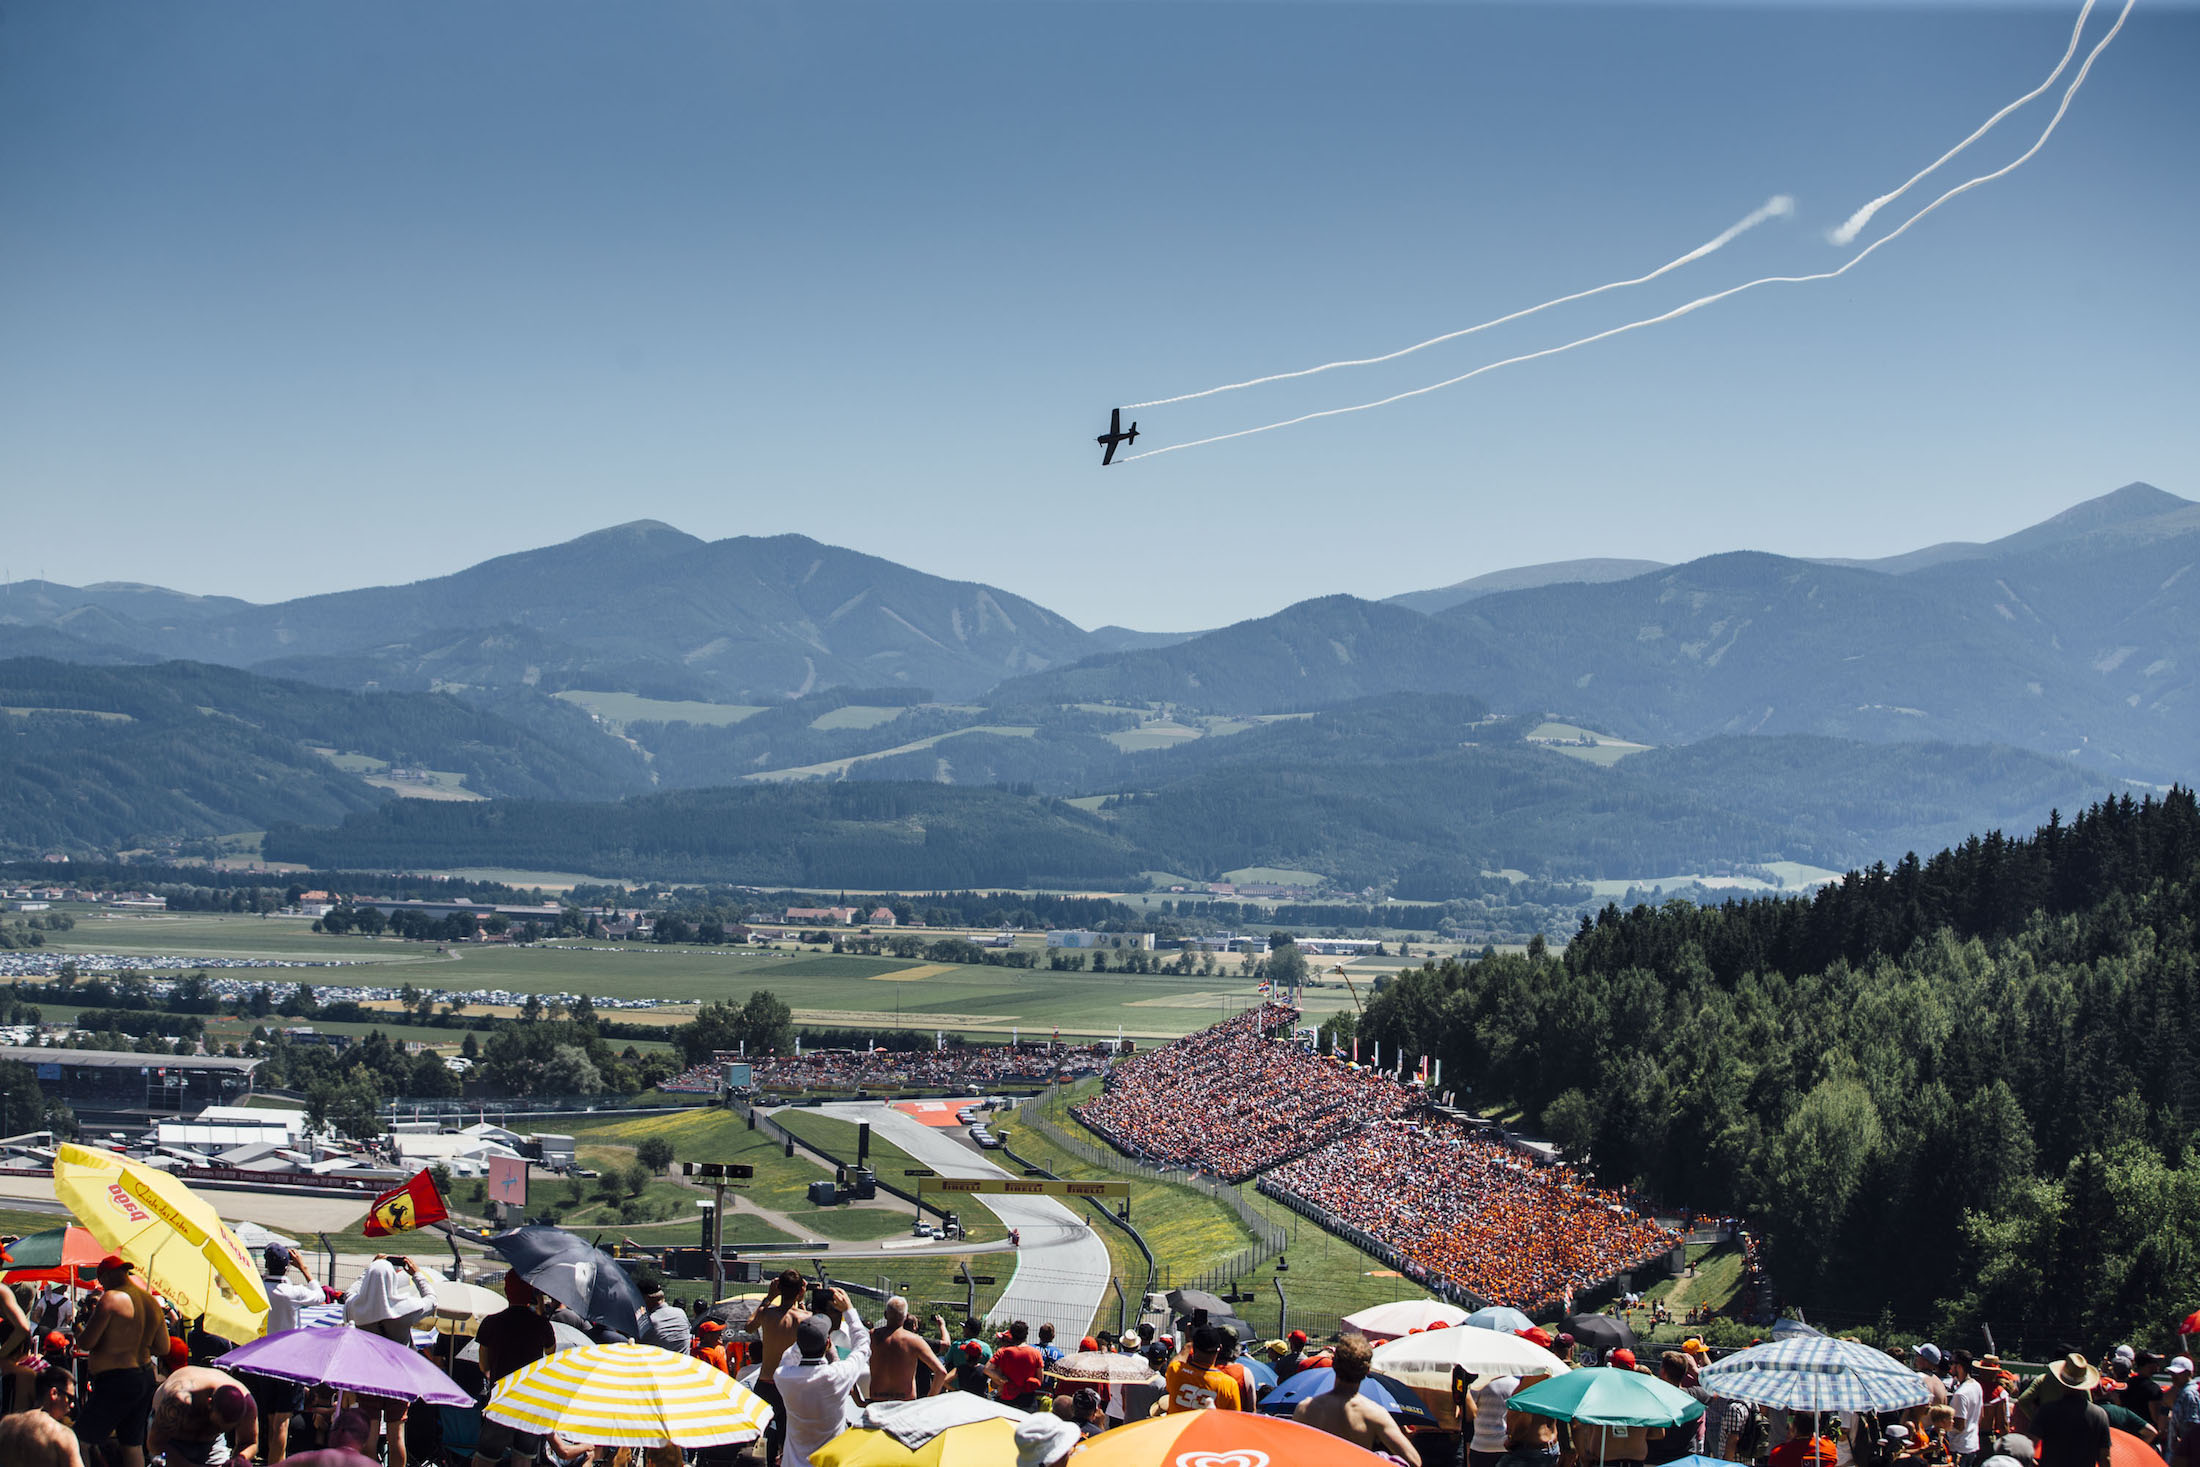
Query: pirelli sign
x,y
1023,1187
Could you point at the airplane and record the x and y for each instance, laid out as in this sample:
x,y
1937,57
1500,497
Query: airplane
x,y
1114,436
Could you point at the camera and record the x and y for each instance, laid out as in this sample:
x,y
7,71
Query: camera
x,y
821,1299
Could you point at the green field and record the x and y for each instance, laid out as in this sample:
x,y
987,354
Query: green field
x,y
780,1185
856,716
825,989
834,768
625,708
1275,876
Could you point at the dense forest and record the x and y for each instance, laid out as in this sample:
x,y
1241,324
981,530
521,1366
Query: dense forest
x,y
1951,1091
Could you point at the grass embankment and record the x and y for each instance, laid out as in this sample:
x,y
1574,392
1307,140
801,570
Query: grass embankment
x,y
1191,1232
1717,1279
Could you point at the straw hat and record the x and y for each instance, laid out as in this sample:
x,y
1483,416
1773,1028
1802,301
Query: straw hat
x,y
2075,1372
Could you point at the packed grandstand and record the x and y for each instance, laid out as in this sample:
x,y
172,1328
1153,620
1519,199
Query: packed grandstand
x,y
1231,1101
1368,1156
1472,1211
957,1067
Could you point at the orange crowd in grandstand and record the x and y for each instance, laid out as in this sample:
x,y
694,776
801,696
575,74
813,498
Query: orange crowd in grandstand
x,y
956,1067
1229,1100
1474,1211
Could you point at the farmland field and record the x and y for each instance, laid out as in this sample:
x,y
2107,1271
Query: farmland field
x,y
825,989
625,708
856,715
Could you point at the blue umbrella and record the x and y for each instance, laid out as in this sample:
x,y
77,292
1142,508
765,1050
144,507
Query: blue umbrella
x,y
1264,1374
1394,1396
1501,1319
1816,1373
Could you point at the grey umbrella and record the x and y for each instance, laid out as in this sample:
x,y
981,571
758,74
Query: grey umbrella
x,y
1191,1301
576,1273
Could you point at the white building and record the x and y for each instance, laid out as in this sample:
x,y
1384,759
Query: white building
x,y
1114,941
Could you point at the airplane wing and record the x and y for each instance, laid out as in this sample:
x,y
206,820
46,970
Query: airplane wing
x,y
1108,457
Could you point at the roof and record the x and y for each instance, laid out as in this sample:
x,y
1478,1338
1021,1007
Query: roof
x,y
173,1133
112,1059
253,1115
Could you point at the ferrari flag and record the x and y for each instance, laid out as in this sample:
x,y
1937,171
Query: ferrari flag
x,y
414,1205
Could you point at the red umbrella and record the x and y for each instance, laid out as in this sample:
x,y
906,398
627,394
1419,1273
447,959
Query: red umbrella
x,y
2126,1450
51,1257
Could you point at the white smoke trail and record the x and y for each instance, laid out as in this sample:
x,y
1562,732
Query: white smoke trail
x,y
1856,222
1779,206
1701,301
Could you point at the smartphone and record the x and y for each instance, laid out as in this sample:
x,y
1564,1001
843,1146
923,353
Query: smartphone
x,y
821,1299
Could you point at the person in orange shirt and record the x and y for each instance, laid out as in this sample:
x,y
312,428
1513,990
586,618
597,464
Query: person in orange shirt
x,y
707,1347
1806,1445
1194,1384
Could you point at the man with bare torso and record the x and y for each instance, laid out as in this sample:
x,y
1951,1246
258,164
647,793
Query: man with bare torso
x,y
202,1417
897,1353
775,1322
1343,1412
127,1331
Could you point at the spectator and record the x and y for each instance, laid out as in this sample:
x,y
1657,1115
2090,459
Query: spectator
x,y
514,1336
1017,1368
1967,1398
279,1400
2183,1412
1343,1412
391,1295
125,1334
1194,1384
349,1434
816,1386
775,1323
201,1418
1045,1440
34,1439
666,1326
899,1356
1490,1433
2071,1430
1806,1445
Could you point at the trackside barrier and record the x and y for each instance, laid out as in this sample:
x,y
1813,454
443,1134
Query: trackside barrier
x,y
1272,1238
1153,1270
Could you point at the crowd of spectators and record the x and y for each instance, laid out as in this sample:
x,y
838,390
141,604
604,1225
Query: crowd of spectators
x,y
1473,1211
1231,1101
956,1068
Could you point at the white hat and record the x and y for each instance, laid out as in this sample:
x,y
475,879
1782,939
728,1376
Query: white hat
x,y
2182,1365
1044,1437
2126,1354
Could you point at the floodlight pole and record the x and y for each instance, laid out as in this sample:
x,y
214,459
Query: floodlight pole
x,y
718,1240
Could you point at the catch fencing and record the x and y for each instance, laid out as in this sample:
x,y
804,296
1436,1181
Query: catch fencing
x,y
1270,1238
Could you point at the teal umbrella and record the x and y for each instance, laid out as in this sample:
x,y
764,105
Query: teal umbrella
x,y
1603,1396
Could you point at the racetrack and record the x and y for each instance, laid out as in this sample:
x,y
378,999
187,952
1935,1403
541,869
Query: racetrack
x,y
1062,1269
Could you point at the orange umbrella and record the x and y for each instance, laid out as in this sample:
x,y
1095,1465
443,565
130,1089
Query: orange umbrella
x,y
2126,1450
1224,1439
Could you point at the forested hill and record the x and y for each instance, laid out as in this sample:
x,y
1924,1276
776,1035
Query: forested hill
x,y
1954,1091
96,757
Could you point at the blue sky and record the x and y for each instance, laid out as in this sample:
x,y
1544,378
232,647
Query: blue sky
x,y
294,298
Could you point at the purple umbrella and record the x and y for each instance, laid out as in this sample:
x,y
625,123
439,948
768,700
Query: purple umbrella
x,y
349,1359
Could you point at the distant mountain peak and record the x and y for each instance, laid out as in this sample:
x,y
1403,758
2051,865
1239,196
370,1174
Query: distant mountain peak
x,y
1524,578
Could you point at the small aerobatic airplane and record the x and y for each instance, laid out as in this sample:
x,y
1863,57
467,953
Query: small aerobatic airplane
x,y
1114,436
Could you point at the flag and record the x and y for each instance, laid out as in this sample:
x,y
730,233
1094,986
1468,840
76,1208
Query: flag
x,y
414,1205
1266,986
2190,1324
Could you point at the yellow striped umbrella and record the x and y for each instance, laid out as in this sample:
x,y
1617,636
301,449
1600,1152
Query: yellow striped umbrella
x,y
990,1443
171,1235
629,1395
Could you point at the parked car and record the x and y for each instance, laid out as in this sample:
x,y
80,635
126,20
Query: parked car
x,y
988,1141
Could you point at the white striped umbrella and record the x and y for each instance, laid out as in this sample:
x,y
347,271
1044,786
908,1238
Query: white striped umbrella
x,y
1818,1374
629,1395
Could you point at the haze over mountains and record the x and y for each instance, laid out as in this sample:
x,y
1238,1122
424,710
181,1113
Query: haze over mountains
x,y
1985,683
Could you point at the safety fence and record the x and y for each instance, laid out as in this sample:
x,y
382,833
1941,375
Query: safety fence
x,y
1270,1238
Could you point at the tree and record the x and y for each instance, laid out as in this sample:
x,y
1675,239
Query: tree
x,y
1571,1123
571,1072
1286,964
655,1152
767,1021
637,1179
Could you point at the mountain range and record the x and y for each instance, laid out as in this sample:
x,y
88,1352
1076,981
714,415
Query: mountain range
x,y
1784,697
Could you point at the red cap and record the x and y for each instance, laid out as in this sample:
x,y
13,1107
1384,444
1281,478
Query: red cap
x,y
1623,1356
971,1348
113,1262
1438,1324
712,1326
179,1354
1298,1337
56,1340
1088,1343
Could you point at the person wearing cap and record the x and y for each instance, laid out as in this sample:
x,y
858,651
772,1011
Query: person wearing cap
x,y
2143,1394
666,1325
202,1417
1925,1360
1045,1440
514,1336
127,1331
279,1400
709,1348
1194,1384
1624,1359
2070,1429
2120,1416
1967,1397
2183,1413
814,1385
1017,1368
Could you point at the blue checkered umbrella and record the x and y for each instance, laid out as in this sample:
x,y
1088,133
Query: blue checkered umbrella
x,y
1818,1374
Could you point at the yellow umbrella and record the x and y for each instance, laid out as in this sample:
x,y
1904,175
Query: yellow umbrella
x,y
629,1395
990,1443
169,1233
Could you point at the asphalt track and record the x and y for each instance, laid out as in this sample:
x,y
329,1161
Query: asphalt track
x,y
1062,1269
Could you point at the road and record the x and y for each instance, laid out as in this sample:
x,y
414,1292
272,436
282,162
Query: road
x,y
1062,1269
